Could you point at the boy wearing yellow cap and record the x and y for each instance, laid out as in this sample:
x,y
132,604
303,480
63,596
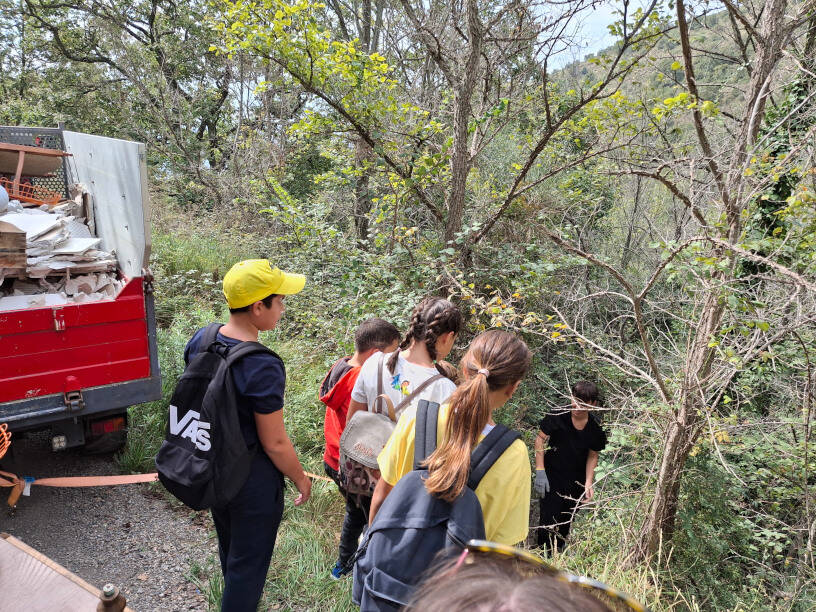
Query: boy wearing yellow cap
x,y
247,526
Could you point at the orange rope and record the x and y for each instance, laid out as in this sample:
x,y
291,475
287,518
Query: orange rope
x,y
5,439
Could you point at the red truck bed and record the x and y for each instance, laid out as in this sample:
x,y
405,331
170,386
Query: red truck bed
x,y
56,349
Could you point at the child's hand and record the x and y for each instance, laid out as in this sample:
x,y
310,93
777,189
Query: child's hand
x,y
304,486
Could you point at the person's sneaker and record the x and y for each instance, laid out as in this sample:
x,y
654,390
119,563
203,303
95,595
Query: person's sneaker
x,y
337,571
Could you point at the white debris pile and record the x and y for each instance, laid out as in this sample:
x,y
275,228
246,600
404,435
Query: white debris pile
x,y
21,294
57,241
64,263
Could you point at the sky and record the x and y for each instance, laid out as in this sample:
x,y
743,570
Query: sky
x,y
596,34
593,34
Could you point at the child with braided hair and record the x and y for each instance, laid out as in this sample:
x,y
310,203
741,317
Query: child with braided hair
x,y
430,336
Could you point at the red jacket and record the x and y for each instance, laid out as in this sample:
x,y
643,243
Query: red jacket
x,y
337,400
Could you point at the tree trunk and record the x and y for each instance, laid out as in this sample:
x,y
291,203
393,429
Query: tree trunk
x,y
682,433
463,94
626,253
659,525
362,151
685,428
362,194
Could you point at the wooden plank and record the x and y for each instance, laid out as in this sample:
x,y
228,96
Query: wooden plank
x,y
12,246
21,155
36,583
37,161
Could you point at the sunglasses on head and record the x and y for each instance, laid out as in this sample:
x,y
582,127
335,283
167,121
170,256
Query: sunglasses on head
x,y
604,592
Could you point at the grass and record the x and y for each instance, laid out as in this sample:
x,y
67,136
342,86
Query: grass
x,y
305,552
199,250
207,577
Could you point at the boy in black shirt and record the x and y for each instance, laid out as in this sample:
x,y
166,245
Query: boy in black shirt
x,y
247,526
575,439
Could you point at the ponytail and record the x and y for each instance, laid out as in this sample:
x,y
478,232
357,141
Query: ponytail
x,y
494,360
449,465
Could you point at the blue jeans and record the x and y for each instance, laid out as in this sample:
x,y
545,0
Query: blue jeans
x,y
247,527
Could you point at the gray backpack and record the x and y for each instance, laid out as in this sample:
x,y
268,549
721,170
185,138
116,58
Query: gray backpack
x,y
365,436
412,527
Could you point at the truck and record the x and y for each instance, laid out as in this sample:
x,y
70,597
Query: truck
x,y
75,368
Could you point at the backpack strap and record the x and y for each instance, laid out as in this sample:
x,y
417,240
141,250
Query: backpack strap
x,y
209,336
488,451
377,401
241,350
394,411
326,377
427,416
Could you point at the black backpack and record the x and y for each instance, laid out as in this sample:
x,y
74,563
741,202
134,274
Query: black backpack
x,y
412,526
204,460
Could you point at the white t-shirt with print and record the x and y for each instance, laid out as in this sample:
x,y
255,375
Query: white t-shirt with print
x,y
399,385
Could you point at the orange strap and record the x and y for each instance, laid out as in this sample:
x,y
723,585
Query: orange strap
x,y
10,480
18,484
96,481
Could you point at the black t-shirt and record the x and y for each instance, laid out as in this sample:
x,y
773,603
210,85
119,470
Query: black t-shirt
x,y
566,457
259,380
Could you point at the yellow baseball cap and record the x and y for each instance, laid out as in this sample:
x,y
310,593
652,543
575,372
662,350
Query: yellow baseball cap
x,y
254,279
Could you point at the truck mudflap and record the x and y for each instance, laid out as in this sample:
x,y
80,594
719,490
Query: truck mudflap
x,y
78,360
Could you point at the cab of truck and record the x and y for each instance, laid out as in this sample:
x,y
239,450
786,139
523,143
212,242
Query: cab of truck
x,y
69,365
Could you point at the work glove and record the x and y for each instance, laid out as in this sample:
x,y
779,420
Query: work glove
x,y
542,485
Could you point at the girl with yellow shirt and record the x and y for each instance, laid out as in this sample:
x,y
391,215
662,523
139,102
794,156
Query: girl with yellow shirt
x,y
492,369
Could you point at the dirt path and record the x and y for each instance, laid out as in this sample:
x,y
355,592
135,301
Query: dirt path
x,y
124,535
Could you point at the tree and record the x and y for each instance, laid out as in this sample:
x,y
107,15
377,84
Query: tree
x,y
156,47
365,24
484,78
728,177
698,321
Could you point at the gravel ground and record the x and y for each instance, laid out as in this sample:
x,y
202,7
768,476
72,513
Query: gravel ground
x,y
126,535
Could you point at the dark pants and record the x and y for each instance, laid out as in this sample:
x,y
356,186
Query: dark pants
x,y
556,511
247,528
354,522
